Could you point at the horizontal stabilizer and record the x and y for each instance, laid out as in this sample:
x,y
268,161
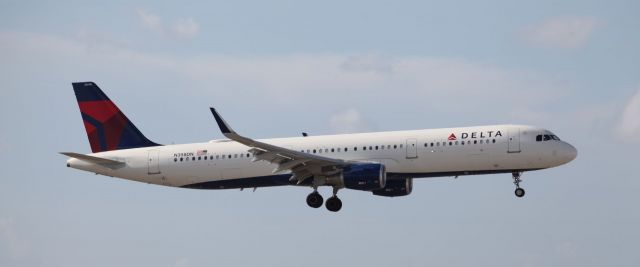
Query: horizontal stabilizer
x,y
109,163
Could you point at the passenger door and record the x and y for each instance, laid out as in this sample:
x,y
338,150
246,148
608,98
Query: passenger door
x,y
154,162
514,140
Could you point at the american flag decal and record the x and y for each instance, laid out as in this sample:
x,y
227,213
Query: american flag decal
x,y
201,152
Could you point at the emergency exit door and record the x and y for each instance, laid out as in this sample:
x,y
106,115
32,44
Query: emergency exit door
x,y
412,148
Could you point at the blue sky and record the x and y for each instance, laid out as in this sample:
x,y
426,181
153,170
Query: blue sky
x,y
278,68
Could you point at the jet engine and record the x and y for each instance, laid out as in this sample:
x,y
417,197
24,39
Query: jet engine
x,y
395,188
366,176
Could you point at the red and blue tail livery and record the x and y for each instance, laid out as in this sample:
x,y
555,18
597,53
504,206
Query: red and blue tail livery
x,y
107,127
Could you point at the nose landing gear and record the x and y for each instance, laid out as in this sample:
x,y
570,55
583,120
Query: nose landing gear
x,y
516,180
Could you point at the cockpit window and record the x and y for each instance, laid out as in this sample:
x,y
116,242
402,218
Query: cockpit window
x,y
546,137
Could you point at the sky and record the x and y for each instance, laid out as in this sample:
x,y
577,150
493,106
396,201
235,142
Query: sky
x,y
278,68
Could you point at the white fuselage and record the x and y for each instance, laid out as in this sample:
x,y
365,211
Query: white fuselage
x,y
406,154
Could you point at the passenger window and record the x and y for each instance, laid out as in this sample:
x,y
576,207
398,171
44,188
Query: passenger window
x,y
355,148
400,145
475,142
494,141
388,146
175,159
539,138
370,148
456,143
376,147
181,159
395,146
194,158
364,148
326,150
314,151
450,143
332,150
462,143
346,149
438,144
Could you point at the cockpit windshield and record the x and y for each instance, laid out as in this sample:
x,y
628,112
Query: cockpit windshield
x,y
546,137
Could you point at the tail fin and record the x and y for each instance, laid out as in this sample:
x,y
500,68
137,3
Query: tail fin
x,y
107,127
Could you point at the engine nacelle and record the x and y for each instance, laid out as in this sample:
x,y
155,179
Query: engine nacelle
x,y
367,176
395,188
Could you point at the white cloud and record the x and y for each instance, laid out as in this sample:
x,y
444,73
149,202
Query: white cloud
x,y
629,124
186,27
150,21
181,28
369,62
349,121
183,262
434,85
562,32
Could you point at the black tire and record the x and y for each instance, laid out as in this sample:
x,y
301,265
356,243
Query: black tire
x,y
519,192
315,200
333,204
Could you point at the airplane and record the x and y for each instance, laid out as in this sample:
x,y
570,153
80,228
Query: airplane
x,y
383,163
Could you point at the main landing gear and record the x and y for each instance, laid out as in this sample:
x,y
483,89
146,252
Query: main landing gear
x,y
314,199
333,204
516,180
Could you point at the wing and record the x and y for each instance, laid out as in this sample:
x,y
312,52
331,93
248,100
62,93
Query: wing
x,y
302,165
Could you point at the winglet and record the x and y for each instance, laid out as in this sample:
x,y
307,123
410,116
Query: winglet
x,y
224,127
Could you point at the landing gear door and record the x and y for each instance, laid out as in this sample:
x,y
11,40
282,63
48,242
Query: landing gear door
x,y
412,148
154,162
514,140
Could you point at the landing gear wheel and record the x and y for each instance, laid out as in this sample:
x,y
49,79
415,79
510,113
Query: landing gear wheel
x,y
519,192
516,181
314,200
333,204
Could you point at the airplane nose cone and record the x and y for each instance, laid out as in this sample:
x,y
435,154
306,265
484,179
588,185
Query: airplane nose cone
x,y
570,152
